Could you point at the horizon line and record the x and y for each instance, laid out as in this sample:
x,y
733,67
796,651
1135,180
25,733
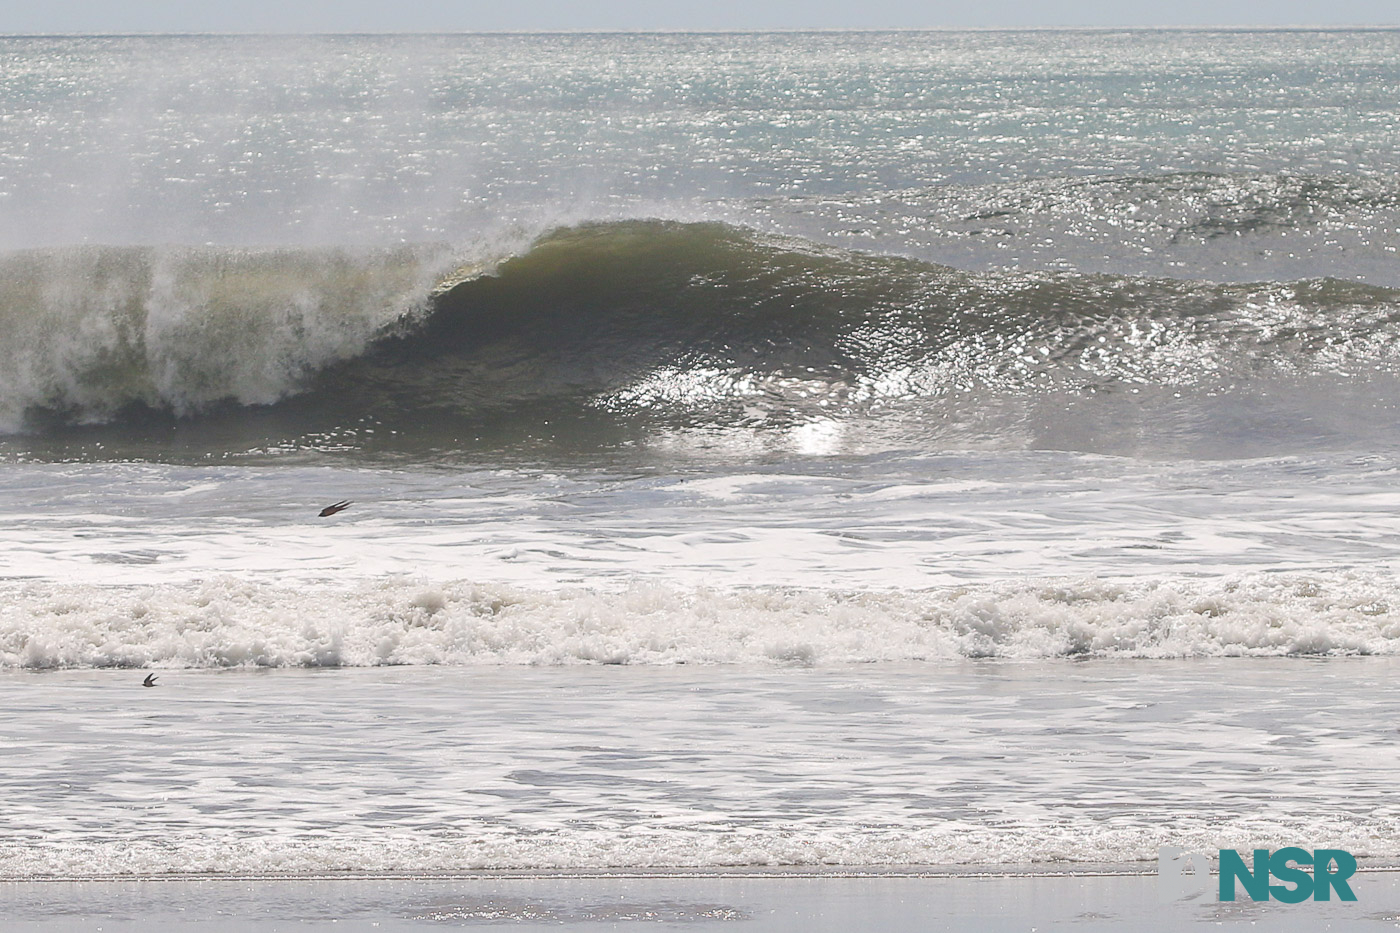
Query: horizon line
x,y
270,33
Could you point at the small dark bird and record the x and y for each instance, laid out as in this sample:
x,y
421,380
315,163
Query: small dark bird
x,y
332,509
150,681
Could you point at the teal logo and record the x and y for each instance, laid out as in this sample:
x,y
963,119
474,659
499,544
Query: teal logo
x,y
1291,875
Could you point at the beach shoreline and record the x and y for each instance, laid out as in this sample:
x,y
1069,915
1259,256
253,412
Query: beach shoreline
x,y
782,482
1067,870
774,902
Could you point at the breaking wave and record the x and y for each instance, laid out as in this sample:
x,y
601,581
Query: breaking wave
x,y
95,332
647,326
228,622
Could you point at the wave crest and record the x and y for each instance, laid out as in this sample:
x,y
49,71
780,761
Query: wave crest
x,y
640,328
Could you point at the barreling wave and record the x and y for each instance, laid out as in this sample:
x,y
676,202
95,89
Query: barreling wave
x,y
227,622
95,332
654,326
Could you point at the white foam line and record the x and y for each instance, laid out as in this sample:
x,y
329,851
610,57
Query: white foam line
x,y
231,621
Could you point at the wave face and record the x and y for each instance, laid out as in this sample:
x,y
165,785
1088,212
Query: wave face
x,y
741,354
644,330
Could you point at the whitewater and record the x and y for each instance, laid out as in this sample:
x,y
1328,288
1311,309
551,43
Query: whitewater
x,y
961,450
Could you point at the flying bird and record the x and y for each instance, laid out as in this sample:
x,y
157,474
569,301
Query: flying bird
x,y
150,681
332,509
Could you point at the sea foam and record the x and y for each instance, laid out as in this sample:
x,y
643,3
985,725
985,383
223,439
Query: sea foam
x,y
232,622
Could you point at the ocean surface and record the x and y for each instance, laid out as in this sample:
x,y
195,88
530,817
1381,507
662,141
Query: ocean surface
x,y
838,449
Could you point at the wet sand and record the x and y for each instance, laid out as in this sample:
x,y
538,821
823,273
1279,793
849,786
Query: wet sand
x,y
771,902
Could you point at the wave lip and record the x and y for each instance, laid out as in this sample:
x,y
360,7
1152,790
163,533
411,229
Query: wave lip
x,y
227,623
94,331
